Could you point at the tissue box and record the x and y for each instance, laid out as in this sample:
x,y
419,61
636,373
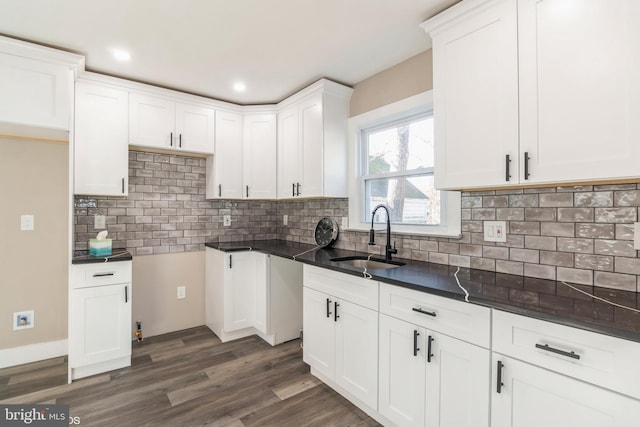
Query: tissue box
x,y
99,247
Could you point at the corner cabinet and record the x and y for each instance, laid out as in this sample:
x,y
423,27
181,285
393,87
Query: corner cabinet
x,y
99,318
249,293
525,115
166,123
312,142
101,149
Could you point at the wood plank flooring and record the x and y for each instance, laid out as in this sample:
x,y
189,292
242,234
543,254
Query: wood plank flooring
x,y
189,378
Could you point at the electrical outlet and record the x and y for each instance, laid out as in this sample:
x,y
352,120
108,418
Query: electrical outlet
x,y
226,220
99,222
182,292
636,236
345,222
285,219
27,222
23,320
495,231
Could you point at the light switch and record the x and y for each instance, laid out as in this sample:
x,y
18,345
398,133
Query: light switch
x,y
285,219
27,222
495,231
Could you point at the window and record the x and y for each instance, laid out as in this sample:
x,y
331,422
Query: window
x,y
393,165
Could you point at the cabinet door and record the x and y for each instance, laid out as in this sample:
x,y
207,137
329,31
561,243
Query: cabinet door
x,y
475,86
289,153
195,128
457,383
402,372
227,160
100,325
319,331
580,88
357,351
101,159
34,92
312,139
152,121
534,397
239,291
261,292
259,137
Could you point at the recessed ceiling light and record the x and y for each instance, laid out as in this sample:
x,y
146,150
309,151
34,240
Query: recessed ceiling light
x,y
239,87
121,55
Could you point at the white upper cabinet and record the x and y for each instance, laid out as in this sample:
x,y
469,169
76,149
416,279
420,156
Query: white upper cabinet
x,y
101,147
224,169
475,83
580,89
536,91
259,146
159,122
312,142
36,84
244,164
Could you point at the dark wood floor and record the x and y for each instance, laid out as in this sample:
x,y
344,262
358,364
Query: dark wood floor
x,y
189,378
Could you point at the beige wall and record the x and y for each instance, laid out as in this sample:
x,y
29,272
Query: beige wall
x,y
33,264
155,279
408,78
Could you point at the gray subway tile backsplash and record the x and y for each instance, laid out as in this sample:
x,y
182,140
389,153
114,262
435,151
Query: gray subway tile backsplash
x,y
580,234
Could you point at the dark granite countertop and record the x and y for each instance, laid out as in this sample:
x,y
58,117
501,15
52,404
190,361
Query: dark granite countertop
x,y
83,257
538,298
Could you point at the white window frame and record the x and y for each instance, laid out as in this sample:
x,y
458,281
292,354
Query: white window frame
x,y
450,225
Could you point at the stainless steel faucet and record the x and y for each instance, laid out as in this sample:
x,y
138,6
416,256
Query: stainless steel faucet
x,y
388,250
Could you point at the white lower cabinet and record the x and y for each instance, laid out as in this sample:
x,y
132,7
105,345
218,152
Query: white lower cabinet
x,y
546,374
341,337
341,343
530,396
430,379
99,318
249,293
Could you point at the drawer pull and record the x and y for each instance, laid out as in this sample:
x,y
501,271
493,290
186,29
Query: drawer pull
x,y
415,342
570,354
499,376
428,313
103,274
429,354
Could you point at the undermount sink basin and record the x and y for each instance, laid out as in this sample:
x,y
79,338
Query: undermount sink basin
x,y
369,263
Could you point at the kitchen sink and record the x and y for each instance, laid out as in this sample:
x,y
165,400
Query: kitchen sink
x,y
370,263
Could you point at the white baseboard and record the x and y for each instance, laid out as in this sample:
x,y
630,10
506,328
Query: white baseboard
x,y
32,353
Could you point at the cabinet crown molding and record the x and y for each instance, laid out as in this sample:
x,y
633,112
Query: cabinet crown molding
x,y
42,53
432,25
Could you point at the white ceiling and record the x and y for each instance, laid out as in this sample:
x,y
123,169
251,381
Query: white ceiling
x,y
203,46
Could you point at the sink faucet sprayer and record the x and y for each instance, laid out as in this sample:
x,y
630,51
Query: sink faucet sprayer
x,y
388,250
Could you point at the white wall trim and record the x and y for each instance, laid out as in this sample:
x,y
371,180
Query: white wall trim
x,y
32,353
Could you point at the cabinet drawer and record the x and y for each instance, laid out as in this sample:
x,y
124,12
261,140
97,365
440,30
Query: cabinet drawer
x,y
98,274
596,358
357,290
460,320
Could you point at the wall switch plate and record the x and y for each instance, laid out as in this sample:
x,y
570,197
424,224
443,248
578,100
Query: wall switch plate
x,y
226,220
182,292
636,236
99,222
495,231
23,320
285,219
27,222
